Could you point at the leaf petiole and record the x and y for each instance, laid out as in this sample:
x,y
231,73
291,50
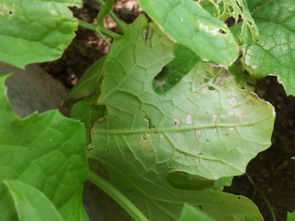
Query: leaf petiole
x,y
105,9
121,199
121,25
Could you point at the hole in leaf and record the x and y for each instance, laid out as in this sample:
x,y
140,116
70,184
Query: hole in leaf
x,y
184,180
173,72
221,31
211,88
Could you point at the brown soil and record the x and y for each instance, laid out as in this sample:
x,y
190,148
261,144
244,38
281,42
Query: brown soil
x,y
272,171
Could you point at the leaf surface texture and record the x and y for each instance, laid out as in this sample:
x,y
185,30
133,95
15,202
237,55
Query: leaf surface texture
x,y
34,31
30,203
205,125
274,53
192,26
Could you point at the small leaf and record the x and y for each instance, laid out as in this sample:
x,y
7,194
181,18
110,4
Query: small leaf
x,y
192,26
35,30
274,53
30,203
190,213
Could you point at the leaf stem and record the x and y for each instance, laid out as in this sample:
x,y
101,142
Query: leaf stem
x,y
99,29
93,27
121,25
122,200
274,218
105,9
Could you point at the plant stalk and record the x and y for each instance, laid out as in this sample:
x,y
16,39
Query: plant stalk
x,y
105,9
99,29
121,25
94,28
274,218
122,200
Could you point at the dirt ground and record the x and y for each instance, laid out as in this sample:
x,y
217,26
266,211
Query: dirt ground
x,y
272,171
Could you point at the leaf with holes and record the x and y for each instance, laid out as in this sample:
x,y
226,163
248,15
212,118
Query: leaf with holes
x,y
205,125
274,53
45,151
192,26
35,30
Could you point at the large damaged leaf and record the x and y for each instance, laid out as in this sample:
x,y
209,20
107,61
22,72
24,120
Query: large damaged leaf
x,y
192,26
45,151
35,30
236,10
274,53
205,125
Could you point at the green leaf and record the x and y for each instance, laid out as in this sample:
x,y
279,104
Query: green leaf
x,y
189,181
274,53
88,112
45,151
89,84
35,30
222,182
242,78
205,125
192,26
30,203
291,216
190,213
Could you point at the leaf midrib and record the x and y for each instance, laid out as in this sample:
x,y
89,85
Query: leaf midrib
x,y
171,130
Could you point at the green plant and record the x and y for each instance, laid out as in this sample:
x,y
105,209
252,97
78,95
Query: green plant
x,y
164,117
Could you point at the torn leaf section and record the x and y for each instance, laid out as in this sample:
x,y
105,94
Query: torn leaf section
x,y
192,26
238,11
172,73
35,30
